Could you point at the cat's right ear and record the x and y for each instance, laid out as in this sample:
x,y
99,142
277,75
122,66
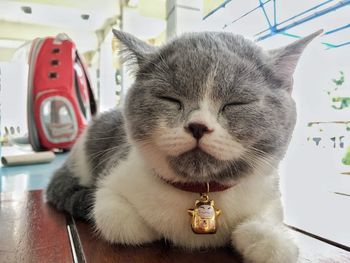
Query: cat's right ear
x,y
133,50
285,59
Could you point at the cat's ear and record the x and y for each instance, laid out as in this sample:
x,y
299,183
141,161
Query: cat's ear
x,y
133,49
285,59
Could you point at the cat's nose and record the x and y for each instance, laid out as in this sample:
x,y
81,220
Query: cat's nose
x,y
198,129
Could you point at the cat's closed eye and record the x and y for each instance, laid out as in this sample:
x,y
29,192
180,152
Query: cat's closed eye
x,y
171,100
235,104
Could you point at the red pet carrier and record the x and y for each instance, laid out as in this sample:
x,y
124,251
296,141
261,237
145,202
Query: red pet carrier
x,y
60,98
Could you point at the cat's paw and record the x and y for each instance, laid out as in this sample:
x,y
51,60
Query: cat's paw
x,y
263,242
117,221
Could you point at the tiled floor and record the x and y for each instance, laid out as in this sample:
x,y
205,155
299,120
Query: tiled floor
x,y
28,177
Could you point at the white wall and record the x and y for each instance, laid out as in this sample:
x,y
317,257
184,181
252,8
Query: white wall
x,y
313,79
13,95
107,92
143,28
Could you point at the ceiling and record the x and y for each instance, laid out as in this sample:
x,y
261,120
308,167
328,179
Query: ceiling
x,y
48,18
268,20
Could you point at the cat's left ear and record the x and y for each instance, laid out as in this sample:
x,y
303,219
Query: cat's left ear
x,y
285,59
133,49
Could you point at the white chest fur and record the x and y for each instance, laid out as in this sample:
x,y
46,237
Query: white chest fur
x,y
164,208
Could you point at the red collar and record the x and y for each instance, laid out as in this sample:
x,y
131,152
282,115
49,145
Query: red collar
x,y
200,187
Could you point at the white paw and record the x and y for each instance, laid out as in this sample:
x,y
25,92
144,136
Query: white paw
x,y
117,221
262,242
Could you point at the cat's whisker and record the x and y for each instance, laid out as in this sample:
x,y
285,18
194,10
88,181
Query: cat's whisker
x,y
177,139
150,61
163,61
104,161
102,138
173,144
263,155
251,160
105,131
219,147
233,173
257,159
153,77
102,153
104,150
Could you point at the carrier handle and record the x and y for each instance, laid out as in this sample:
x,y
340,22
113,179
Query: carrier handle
x,y
92,99
60,38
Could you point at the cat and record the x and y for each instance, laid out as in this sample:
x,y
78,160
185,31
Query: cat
x,y
206,107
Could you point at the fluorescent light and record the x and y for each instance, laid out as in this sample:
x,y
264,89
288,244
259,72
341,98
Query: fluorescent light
x,y
133,3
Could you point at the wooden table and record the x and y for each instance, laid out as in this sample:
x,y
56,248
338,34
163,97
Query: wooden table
x,y
33,231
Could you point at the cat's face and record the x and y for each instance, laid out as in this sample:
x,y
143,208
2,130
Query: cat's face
x,y
210,106
206,211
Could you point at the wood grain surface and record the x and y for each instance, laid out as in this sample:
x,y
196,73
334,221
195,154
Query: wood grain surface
x,y
31,230
96,250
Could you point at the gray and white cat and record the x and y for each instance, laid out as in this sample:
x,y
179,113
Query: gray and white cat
x,y
205,107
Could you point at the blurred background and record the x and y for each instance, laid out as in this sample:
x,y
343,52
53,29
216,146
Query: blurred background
x,y
316,171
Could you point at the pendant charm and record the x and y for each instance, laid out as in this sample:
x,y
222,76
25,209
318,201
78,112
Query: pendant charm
x,y
204,216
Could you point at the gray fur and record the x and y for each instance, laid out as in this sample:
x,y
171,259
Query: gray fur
x,y
242,72
106,141
133,49
249,88
105,146
67,195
